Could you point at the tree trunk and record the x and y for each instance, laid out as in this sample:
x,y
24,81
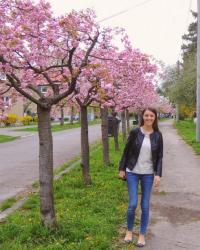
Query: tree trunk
x,y
123,126
85,146
79,117
115,133
139,117
46,167
105,140
62,117
177,113
127,121
72,115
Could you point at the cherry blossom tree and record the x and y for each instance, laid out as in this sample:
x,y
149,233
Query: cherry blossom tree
x,y
38,49
69,55
133,83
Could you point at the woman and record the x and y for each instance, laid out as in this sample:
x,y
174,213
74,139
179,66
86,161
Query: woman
x,y
142,161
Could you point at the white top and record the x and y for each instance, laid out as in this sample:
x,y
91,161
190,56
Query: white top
x,y
144,164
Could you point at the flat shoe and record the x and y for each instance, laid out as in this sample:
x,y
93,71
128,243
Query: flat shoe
x,y
128,241
139,244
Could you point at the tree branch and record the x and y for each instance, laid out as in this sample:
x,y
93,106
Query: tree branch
x,y
84,62
2,93
15,82
36,90
100,58
70,60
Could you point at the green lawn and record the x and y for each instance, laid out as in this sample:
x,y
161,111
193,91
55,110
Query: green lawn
x,y
58,127
187,130
89,218
7,138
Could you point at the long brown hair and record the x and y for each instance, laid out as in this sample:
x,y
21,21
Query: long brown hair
x,y
155,124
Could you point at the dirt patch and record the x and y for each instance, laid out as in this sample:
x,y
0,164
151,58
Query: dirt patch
x,y
177,215
156,192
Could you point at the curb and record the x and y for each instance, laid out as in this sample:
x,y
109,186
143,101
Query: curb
x,y
24,136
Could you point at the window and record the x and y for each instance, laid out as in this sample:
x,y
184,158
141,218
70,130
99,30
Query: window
x,y
6,100
2,76
43,89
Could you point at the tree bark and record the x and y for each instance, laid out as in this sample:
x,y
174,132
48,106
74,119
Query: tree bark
x,y
105,140
46,168
62,117
123,126
115,133
85,146
79,117
72,115
139,117
127,121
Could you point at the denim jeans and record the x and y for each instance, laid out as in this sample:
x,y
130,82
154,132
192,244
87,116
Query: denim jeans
x,y
146,181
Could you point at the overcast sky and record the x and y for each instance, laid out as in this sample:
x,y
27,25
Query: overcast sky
x,y
154,27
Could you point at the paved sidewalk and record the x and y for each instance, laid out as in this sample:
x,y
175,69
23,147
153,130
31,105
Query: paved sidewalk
x,y
175,207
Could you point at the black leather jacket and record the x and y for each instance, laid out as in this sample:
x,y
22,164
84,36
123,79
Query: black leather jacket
x,y
133,146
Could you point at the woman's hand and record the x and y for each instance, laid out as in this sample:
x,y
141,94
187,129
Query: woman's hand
x,y
122,174
157,181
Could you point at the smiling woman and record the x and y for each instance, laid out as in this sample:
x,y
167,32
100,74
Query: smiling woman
x,y
142,162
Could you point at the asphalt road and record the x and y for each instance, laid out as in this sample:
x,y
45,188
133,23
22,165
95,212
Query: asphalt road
x,y
19,159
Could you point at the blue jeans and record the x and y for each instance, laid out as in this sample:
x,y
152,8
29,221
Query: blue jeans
x,y
146,181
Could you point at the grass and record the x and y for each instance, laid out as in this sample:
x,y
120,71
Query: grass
x,y
58,127
164,119
57,171
187,130
7,203
89,218
7,138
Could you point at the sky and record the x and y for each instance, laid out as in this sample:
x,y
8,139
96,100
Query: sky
x,y
154,26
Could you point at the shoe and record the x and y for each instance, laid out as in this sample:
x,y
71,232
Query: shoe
x,y
140,244
127,239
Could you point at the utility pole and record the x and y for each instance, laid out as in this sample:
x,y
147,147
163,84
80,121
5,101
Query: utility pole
x,y
198,75
177,102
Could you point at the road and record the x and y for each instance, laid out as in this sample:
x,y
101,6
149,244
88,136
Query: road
x,y
19,159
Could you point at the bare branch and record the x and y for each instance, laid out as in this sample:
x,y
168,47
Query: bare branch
x,y
15,82
84,62
2,93
54,86
70,59
101,58
79,102
36,90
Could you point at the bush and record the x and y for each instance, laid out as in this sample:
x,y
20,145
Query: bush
x,y
66,119
35,118
10,119
26,120
186,112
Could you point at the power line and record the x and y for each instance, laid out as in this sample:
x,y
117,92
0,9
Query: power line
x,y
125,11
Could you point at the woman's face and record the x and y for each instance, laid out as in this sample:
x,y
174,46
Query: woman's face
x,y
149,118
